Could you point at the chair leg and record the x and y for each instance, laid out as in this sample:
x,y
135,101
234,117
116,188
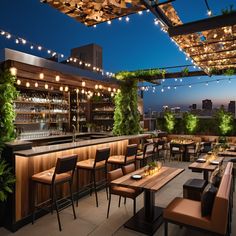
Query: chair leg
x,y
125,200
109,203
77,187
72,200
106,181
166,228
95,187
119,201
91,181
34,200
134,206
52,199
57,210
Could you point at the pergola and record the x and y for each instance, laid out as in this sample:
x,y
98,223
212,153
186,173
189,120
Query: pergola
x,y
208,43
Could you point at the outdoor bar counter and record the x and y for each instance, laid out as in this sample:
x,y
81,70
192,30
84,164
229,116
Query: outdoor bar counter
x,y
27,160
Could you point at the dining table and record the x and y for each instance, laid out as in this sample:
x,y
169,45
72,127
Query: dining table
x,y
148,219
183,145
206,164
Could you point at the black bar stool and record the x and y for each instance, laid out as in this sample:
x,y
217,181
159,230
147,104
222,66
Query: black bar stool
x,y
61,174
122,160
92,165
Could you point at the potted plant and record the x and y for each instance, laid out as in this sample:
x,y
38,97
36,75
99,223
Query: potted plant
x,y
7,180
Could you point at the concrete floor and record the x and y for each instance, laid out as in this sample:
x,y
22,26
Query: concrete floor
x,y
92,220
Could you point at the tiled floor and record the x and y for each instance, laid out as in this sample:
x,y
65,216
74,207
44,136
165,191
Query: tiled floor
x,y
92,220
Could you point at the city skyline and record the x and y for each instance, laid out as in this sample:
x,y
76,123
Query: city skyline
x,y
132,45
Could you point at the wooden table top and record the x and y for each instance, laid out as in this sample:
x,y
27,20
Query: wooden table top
x,y
185,143
206,165
152,182
228,153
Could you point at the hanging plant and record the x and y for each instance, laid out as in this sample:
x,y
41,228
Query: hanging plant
x,y
190,122
230,72
140,74
185,72
8,94
227,10
169,121
126,115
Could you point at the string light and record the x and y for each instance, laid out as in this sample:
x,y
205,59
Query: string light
x,y
36,85
83,83
46,86
66,89
32,46
61,88
127,19
27,84
18,82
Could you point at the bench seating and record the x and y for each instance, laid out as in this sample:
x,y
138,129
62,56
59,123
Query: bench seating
x,y
186,212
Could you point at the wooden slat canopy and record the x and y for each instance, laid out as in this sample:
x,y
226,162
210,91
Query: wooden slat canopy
x,y
98,11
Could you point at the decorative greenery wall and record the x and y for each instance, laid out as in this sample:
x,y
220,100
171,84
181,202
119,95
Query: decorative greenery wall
x,y
126,115
140,74
225,122
190,122
8,93
169,121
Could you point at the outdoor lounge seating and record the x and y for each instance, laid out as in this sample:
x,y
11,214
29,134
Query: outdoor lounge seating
x,y
187,212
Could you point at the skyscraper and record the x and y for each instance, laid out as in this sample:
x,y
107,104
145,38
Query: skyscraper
x,y
231,107
206,104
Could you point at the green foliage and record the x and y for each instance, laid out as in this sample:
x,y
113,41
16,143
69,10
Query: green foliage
x,y
140,74
230,72
7,180
227,10
8,94
126,115
185,71
224,121
190,122
169,121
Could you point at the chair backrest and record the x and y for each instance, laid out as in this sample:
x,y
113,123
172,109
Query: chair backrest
x,y
102,154
66,164
146,146
128,168
131,150
114,174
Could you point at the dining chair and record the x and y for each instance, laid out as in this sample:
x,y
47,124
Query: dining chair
x,y
148,152
176,150
126,192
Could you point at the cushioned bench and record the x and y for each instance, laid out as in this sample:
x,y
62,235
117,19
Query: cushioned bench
x,y
186,212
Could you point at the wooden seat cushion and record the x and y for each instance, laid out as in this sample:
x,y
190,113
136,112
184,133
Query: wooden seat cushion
x,y
187,212
125,192
89,164
46,177
120,159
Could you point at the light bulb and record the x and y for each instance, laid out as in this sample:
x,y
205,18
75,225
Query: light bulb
x,y
27,84
41,75
96,86
100,86
99,94
13,71
109,89
36,85
83,83
82,91
18,82
57,78
66,88
61,88
112,94
46,86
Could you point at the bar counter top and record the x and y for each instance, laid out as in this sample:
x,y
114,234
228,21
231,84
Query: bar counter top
x,y
66,146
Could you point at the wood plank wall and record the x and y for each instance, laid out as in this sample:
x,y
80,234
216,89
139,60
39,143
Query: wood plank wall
x,y
27,166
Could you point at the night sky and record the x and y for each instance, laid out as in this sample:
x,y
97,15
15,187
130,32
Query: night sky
x,y
137,44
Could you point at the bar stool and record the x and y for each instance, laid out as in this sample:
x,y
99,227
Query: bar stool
x,y
61,174
93,165
122,160
148,151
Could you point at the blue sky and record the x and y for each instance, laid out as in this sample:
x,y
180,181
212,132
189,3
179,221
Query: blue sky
x,y
126,46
